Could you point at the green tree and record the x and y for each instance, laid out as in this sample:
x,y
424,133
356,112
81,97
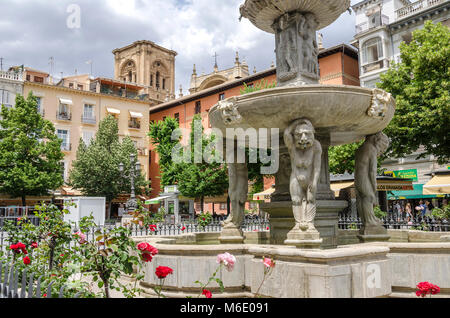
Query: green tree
x,y
205,179
161,137
342,158
95,172
30,151
421,86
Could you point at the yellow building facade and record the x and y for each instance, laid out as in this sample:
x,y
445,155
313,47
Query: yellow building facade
x,y
76,114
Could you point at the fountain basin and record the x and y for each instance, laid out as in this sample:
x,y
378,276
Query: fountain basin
x,y
263,13
346,113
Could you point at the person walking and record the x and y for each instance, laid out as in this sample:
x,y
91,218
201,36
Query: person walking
x,y
408,211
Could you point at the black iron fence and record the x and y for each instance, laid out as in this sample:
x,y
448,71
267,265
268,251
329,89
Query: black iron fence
x,y
427,223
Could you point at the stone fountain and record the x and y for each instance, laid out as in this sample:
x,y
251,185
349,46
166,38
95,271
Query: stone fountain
x,y
310,118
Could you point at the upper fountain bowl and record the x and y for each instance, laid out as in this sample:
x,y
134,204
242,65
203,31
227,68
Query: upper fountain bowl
x,y
263,13
346,113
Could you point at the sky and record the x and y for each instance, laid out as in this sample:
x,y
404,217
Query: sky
x,y
74,32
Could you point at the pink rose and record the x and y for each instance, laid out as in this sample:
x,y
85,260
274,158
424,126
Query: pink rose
x,y
81,237
226,259
268,262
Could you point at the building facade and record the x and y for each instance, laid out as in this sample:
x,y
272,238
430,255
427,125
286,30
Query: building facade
x,y
76,114
338,66
149,65
381,25
11,85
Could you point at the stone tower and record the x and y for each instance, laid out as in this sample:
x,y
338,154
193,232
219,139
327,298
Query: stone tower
x,y
147,64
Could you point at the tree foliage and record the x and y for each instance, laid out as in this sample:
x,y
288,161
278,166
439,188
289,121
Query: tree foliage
x,y
205,179
421,86
161,137
30,151
342,158
95,172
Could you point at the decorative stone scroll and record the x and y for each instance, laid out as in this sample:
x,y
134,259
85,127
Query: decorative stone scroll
x,y
380,101
229,112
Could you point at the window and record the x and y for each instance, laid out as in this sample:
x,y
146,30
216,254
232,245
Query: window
x,y
164,118
63,112
375,20
4,97
222,96
157,79
64,136
70,85
198,107
28,77
151,80
87,137
372,51
39,104
130,76
80,87
164,83
223,206
177,117
88,111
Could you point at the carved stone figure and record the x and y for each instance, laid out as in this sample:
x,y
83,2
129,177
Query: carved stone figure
x,y
238,192
306,154
310,51
296,48
230,113
366,182
379,103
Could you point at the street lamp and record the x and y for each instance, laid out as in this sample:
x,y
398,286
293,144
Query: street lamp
x,y
135,168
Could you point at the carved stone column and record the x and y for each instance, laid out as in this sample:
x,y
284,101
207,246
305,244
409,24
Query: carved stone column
x,y
296,49
323,190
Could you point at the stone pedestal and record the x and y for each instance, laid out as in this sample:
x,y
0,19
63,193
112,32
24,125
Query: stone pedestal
x,y
373,234
304,239
231,235
326,221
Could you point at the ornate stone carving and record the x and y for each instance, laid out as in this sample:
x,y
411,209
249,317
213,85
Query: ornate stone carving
x,y
379,105
296,49
306,160
366,182
229,111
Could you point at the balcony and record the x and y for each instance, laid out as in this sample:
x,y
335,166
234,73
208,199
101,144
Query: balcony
x,y
63,116
88,119
377,65
13,76
366,26
416,7
134,124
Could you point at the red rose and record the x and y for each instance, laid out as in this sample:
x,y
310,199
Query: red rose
x,y
13,247
146,257
34,245
203,219
142,246
163,271
152,227
44,296
207,293
26,260
183,228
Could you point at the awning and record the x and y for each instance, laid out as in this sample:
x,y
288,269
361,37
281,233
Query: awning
x,y
337,187
65,101
156,200
136,115
439,184
113,110
265,195
417,193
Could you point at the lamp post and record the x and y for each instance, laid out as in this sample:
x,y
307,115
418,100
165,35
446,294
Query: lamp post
x,y
135,167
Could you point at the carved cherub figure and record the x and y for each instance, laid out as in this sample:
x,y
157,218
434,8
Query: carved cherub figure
x,y
366,178
306,158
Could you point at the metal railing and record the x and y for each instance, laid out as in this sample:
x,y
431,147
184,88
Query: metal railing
x,y
394,222
416,7
88,119
63,116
